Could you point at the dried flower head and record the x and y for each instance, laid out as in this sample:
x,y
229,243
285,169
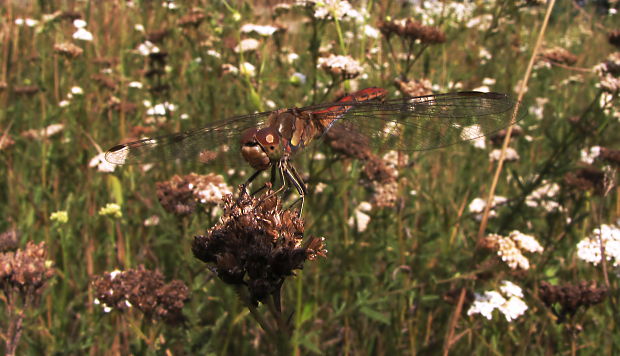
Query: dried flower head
x,y
157,36
348,141
26,90
104,81
557,55
25,272
586,178
143,289
8,240
570,297
257,244
614,38
610,155
68,50
498,137
414,87
6,141
341,66
193,19
411,30
609,73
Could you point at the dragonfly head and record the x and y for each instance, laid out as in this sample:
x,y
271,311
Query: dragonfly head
x,y
261,147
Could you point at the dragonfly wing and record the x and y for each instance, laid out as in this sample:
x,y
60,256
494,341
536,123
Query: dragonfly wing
x,y
185,145
422,123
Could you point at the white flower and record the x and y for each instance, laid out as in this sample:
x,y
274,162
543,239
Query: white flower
x,y
27,21
538,109
526,242
474,134
510,289
589,249
248,44
589,155
371,32
247,69
511,155
77,90
360,217
513,308
79,23
508,302
160,109
101,164
139,27
214,53
329,9
543,196
488,81
83,35
115,273
64,103
136,85
153,220
341,65
147,47
259,29
320,187
292,57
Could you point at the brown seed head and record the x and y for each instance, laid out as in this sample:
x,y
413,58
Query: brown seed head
x,y
411,30
348,141
557,55
68,50
414,87
610,155
8,240
256,244
570,297
614,38
143,289
586,178
25,271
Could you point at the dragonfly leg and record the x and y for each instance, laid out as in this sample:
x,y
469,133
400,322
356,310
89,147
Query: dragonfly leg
x,y
295,179
249,181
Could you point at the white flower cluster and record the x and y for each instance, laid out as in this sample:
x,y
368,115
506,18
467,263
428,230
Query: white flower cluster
x,y
589,249
511,155
478,205
338,64
81,32
262,30
475,135
510,249
508,301
360,218
588,155
433,11
333,9
212,191
543,197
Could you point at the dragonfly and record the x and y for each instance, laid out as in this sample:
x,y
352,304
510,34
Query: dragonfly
x,y
268,140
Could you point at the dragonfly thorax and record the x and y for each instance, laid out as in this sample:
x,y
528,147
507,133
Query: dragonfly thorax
x,y
261,147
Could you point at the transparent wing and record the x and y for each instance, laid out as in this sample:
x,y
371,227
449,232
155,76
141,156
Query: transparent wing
x,y
188,144
427,122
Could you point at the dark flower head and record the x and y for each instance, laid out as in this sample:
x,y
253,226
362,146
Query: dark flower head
x,y
68,50
143,289
610,155
25,271
557,55
586,178
614,38
8,240
193,19
348,141
411,30
256,244
157,36
569,297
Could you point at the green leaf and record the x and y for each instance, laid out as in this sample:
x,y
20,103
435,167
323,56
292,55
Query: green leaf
x,y
375,315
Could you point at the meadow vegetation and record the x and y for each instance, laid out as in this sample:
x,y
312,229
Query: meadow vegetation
x,y
102,259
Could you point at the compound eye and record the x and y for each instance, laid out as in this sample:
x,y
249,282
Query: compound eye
x,y
268,138
248,138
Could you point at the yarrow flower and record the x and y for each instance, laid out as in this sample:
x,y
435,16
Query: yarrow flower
x,y
589,249
511,155
248,44
510,249
544,196
508,301
360,218
475,135
478,205
262,30
333,9
344,66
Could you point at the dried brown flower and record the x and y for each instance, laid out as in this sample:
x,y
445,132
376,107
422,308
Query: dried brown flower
x,y
159,57
193,19
384,195
557,55
106,61
411,30
6,141
498,137
70,15
104,81
27,90
143,289
348,141
571,296
610,155
414,87
586,178
25,271
614,38
376,170
257,244
68,50
8,240
123,106
157,36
